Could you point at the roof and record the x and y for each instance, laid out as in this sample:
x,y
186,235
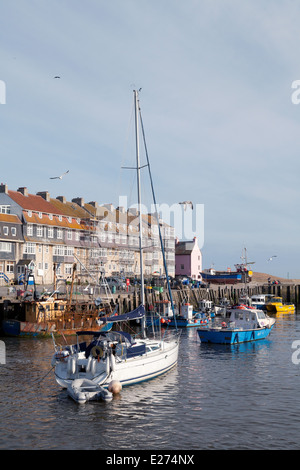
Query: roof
x,y
185,247
10,219
70,208
54,221
34,203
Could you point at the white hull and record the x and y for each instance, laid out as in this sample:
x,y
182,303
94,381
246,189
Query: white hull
x,y
158,359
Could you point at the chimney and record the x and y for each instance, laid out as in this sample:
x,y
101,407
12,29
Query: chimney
x,y
61,199
45,195
23,191
94,204
3,188
110,207
79,201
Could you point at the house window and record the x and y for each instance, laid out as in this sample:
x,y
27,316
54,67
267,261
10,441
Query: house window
x,y
59,233
50,232
40,215
62,250
182,266
29,249
5,209
13,231
5,247
9,267
5,230
39,231
69,234
68,269
30,230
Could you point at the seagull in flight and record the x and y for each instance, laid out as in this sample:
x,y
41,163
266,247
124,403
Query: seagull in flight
x,y
56,76
59,177
186,204
270,259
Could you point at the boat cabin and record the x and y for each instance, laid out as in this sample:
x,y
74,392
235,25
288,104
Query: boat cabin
x,y
205,305
45,310
260,299
247,318
163,308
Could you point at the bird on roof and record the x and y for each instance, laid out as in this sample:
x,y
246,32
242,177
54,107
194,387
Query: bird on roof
x,y
270,259
59,177
186,204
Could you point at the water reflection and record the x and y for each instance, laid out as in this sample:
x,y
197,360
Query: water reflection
x,y
218,397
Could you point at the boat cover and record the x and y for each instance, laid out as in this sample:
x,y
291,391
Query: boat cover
x,y
133,315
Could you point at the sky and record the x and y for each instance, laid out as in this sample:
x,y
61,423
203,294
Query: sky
x,y
220,113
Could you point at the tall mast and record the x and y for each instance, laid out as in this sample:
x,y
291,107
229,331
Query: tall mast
x,y
136,107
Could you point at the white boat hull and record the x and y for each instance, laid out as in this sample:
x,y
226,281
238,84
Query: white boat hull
x,y
127,371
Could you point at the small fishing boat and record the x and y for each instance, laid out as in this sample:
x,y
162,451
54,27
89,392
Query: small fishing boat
x,y
260,300
83,390
222,308
245,324
188,318
275,305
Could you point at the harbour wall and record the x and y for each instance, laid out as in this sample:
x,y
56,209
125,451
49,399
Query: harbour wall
x,y
128,301
288,292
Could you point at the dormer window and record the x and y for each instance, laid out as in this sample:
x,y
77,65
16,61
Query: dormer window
x,y
60,218
5,209
40,215
50,216
29,213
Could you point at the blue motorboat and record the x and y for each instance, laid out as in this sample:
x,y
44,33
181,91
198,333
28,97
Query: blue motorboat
x,y
245,324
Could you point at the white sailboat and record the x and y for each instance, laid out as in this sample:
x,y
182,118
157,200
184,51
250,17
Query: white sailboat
x,y
116,355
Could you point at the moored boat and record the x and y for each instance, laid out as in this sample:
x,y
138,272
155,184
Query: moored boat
x,y
115,355
275,305
220,277
244,325
83,390
260,300
187,318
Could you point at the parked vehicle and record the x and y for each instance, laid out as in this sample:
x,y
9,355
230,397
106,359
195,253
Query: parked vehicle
x,y
116,282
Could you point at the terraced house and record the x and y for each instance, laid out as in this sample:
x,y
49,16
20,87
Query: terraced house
x,y
39,233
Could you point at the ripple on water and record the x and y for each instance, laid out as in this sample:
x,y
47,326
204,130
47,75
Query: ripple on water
x,y
218,397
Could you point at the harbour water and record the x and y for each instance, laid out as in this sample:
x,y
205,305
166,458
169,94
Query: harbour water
x,y
218,398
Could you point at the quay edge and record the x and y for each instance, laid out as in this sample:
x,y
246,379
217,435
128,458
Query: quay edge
x,y
10,307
